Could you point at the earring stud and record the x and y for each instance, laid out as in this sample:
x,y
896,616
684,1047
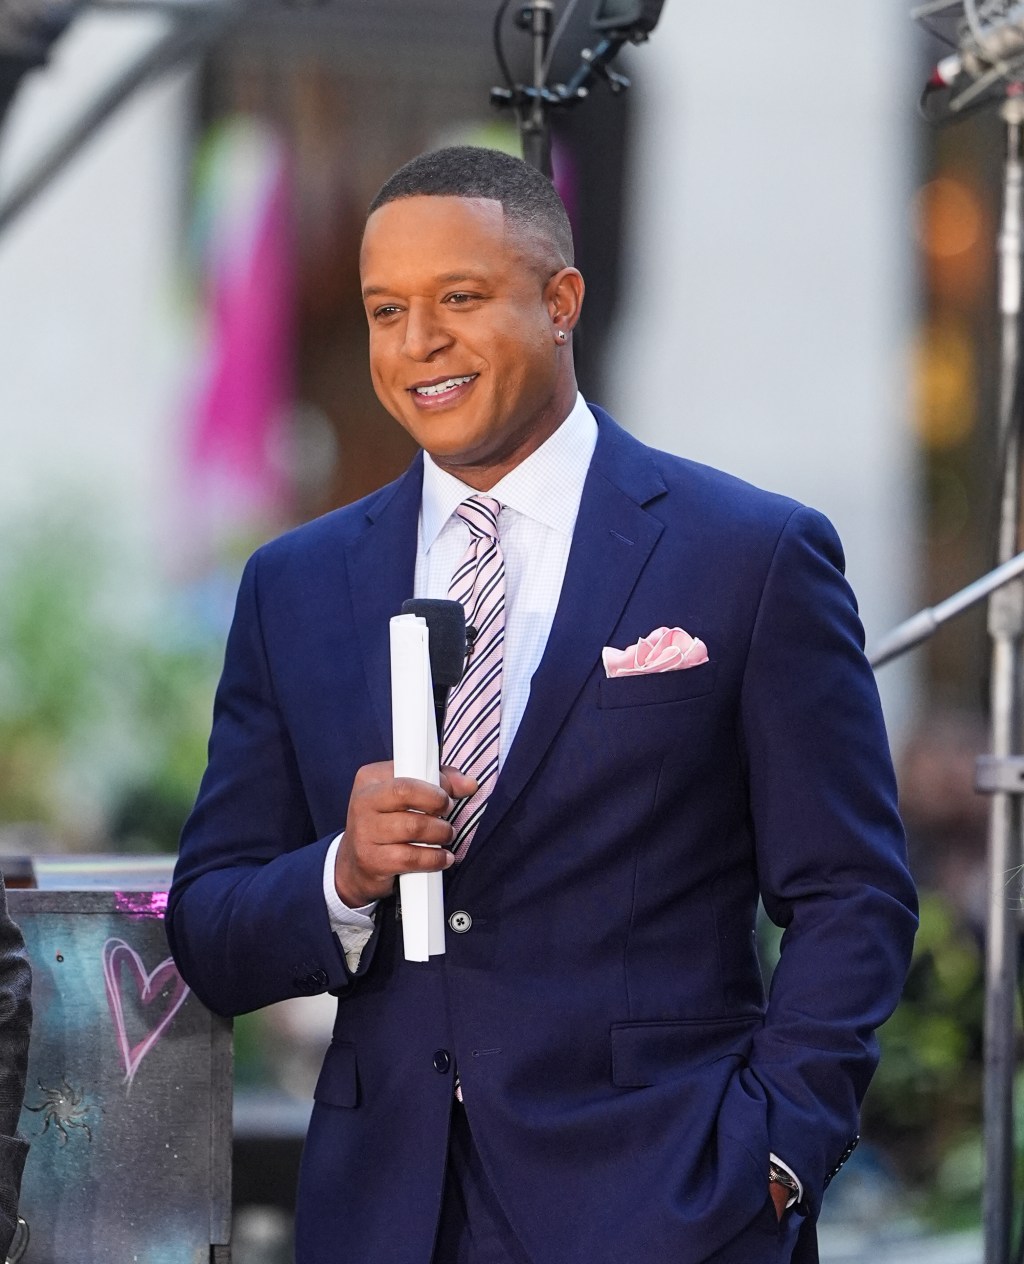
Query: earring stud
x,y
562,335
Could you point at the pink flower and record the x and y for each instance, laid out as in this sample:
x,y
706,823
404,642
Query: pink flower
x,y
666,649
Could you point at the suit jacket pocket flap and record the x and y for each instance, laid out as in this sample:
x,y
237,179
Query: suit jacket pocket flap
x,y
644,691
653,1053
338,1084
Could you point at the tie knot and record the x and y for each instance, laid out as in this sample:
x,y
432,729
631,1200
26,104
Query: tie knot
x,y
480,514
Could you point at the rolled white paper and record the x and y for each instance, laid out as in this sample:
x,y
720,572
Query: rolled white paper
x,y
416,755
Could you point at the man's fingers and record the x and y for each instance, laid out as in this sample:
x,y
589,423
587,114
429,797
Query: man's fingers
x,y
408,794
402,794
382,791
387,818
412,827
391,859
375,879
407,859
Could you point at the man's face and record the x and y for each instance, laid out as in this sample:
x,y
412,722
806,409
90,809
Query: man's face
x,y
464,318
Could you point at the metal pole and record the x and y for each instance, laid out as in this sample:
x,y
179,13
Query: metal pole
x,y
536,131
921,626
1006,629
189,35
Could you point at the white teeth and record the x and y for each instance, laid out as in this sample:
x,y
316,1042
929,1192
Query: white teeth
x,y
441,387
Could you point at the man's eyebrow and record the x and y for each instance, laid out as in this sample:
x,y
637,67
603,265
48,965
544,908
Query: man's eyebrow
x,y
446,278
450,278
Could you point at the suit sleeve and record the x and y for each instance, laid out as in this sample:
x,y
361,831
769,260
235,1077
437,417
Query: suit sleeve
x,y
15,1026
246,918
830,852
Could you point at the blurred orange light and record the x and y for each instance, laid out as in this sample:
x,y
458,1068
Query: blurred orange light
x,y
945,384
947,217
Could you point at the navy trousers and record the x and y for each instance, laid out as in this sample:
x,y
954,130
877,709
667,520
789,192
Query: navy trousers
x,y
473,1228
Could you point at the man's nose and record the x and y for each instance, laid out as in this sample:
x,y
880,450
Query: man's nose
x,y
425,333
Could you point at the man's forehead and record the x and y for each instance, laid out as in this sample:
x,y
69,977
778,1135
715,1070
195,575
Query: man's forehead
x,y
422,211
449,238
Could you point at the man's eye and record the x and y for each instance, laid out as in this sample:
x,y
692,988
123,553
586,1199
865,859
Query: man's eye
x,y
460,298
381,313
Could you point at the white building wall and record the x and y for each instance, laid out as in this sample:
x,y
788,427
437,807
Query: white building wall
x,y
89,367
766,314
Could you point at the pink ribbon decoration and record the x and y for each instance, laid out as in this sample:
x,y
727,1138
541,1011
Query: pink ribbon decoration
x,y
666,649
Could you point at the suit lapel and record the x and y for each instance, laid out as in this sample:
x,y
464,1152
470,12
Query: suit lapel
x,y
612,540
382,569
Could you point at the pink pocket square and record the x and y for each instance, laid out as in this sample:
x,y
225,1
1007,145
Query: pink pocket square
x,y
666,649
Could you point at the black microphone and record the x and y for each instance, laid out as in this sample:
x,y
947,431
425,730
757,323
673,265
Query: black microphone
x,y
446,623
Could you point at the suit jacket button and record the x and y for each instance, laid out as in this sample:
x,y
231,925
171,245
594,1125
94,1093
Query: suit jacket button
x,y
320,978
442,1061
460,922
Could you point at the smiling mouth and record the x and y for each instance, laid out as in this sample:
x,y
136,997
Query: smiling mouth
x,y
445,387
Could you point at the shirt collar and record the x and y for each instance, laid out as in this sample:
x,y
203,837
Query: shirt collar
x,y
546,487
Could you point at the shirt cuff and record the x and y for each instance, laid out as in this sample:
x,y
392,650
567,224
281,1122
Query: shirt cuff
x,y
352,926
798,1197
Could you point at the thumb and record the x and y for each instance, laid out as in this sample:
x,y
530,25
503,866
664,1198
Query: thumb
x,y
457,784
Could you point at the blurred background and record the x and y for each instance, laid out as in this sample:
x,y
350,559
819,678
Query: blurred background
x,y
789,274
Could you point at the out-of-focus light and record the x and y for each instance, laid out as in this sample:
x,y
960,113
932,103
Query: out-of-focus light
x,y
945,379
948,218
949,506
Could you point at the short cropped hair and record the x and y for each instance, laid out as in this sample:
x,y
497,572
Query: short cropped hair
x,y
527,197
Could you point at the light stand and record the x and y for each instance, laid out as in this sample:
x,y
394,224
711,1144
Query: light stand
x,y
535,130
1003,781
619,23
1001,774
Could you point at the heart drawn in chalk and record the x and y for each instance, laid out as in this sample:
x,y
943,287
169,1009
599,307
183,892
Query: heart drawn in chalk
x,y
120,959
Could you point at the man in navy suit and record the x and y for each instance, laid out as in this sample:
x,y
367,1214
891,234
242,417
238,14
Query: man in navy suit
x,y
591,1073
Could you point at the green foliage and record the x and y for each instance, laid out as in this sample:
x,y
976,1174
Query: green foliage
x,y
104,697
924,1105
48,672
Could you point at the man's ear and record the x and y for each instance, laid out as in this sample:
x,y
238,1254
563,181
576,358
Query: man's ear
x,y
563,295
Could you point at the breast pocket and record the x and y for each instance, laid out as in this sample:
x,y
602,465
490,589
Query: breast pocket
x,y
661,687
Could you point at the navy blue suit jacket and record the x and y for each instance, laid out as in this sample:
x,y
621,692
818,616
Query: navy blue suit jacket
x,y
624,1076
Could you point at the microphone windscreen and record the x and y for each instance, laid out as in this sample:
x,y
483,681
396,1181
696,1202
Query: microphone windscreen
x,y
446,621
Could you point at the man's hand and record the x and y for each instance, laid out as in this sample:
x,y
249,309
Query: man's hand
x,y
780,1196
387,815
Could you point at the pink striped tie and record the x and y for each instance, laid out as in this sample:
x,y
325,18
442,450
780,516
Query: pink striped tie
x,y
473,722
